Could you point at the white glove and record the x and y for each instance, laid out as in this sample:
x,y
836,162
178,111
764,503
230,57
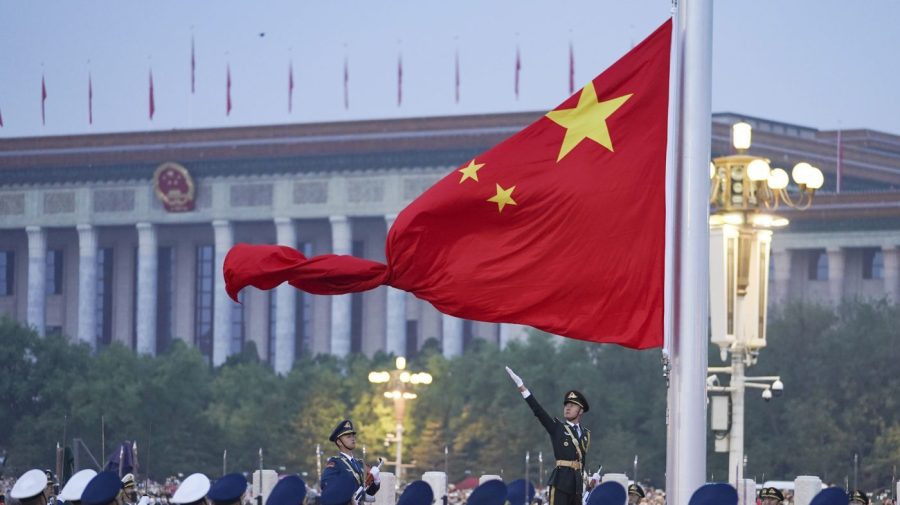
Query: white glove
x,y
515,378
145,500
376,474
595,479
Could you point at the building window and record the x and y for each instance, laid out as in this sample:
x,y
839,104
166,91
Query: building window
x,y
412,338
54,271
356,306
818,265
237,324
165,289
303,321
872,263
7,272
203,306
104,295
468,334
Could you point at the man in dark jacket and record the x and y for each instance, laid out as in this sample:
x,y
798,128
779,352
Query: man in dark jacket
x,y
570,443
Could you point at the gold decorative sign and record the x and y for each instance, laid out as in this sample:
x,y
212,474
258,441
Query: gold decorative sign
x,y
174,187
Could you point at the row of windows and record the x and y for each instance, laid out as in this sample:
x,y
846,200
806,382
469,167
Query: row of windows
x,y
872,264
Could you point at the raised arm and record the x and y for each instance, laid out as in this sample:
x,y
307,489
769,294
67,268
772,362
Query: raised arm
x,y
548,422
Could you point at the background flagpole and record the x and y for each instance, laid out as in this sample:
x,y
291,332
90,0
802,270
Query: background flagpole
x,y
686,448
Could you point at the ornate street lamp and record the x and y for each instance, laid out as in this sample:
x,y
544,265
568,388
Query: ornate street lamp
x,y
744,193
400,383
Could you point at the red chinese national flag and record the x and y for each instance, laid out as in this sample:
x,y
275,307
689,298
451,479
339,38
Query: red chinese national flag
x,y
561,226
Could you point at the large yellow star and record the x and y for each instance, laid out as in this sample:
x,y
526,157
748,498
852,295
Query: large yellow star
x,y
470,171
586,120
503,197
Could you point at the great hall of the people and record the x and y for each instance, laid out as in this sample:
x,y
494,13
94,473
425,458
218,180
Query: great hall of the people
x,y
121,237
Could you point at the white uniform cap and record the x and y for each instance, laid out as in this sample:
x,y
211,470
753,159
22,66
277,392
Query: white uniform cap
x,y
30,484
191,489
76,484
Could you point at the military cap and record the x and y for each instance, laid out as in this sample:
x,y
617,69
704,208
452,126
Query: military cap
x,y
290,490
102,489
75,486
343,428
636,490
608,493
128,481
519,492
858,496
577,398
338,489
417,493
30,484
192,489
228,489
717,493
492,492
831,496
771,492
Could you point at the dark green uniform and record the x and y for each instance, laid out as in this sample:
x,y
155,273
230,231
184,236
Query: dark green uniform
x,y
567,478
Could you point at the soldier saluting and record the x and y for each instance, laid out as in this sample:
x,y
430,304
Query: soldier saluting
x,y
570,443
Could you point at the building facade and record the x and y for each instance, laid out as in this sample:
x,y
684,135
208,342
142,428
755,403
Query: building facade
x,y
121,237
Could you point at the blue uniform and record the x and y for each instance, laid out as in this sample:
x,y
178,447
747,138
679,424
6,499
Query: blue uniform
x,y
341,464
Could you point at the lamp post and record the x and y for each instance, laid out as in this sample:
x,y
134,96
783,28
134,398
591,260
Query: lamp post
x,y
399,384
744,193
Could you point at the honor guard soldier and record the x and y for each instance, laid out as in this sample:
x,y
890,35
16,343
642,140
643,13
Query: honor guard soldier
x,y
32,488
859,498
492,492
129,488
72,491
104,489
344,437
635,494
770,496
570,444
229,490
339,489
192,490
290,490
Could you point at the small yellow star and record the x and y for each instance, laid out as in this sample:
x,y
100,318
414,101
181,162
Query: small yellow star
x,y
470,171
503,197
586,120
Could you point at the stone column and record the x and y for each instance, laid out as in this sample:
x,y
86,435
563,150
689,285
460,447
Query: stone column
x,y
806,487
396,312
781,276
891,257
285,306
224,239
37,279
387,494
341,243
452,329
835,274
437,481
87,284
146,289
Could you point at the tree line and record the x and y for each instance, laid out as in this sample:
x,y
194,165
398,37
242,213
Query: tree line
x,y
839,367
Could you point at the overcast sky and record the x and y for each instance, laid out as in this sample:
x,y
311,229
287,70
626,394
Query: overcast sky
x,y
820,63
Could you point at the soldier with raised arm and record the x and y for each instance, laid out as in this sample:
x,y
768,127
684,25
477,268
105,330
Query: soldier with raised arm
x,y
570,443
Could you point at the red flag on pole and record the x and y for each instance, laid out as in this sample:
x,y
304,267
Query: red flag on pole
x,y
346,83
290,86
560,227
518,70
43,100
152,101
90,100
193,65
456,80
571,69
228,90
399,79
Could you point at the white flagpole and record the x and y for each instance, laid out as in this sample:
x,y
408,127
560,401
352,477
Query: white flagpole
x,y
686,417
